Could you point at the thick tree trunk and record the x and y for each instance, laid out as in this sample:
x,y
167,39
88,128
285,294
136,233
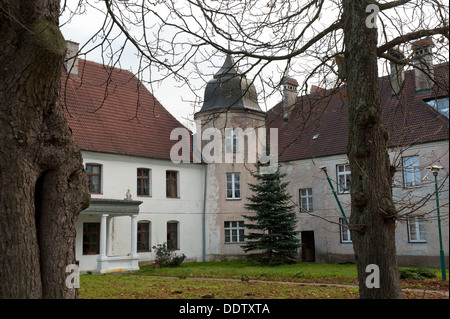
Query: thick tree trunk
x,y
373,213
43,186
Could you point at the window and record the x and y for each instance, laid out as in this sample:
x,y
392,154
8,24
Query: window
x,y
234,232
231,141
233,186
172,235
343,178
416,230
172,184
143,182
143,236
91,238
94,173
344,231
306,200
441,105
411,171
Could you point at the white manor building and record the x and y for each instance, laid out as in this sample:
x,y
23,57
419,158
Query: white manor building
x,y
140,198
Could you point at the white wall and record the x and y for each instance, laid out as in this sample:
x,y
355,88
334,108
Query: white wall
x,y
429,154
323,221
119,173
324,218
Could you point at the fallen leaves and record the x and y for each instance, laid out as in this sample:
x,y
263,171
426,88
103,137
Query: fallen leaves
x,y
296,285
129,287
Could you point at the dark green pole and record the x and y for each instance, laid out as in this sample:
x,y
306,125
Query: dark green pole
x,y
324,168
441,251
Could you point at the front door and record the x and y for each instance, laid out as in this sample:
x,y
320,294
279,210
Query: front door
x,y
308,248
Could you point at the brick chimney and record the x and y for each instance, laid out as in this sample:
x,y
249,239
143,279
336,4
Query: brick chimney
x,y
397,75
423,64
71,58
289,96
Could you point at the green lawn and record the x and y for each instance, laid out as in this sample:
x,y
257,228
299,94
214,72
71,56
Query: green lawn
x,y
238,269
144,287
242,281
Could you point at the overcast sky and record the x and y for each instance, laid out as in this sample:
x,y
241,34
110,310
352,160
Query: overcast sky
x,y
179,101
80,30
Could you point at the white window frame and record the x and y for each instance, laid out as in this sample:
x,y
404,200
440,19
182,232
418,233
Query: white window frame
x,y
416,230
235,179
100,174
343,178
344,232
411,171
306,199
234,232
231,141
149,181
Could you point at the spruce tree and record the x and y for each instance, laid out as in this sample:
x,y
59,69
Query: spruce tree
x,y
273,235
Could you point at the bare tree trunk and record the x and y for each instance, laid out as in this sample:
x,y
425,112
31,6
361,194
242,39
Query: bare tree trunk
x,y
43,186
373,213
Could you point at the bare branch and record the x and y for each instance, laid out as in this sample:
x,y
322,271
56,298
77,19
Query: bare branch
x,y
412,36
393,4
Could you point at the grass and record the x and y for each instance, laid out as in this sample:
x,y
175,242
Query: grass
x,y
240,279
239,269
144,287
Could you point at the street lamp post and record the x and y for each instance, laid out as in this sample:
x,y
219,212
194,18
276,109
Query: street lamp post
x,y
435,170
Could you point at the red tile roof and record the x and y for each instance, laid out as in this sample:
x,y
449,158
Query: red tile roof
x,y
319,124
111,111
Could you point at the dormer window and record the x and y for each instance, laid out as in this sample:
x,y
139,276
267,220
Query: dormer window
x,y
440,104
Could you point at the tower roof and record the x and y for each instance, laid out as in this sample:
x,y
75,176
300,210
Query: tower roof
x,y
230,90
228,68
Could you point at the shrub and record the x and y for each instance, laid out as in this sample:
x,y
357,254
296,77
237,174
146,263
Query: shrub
x,y
166,257
416,273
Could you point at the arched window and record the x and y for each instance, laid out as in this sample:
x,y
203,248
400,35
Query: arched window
x,y
173,237
143,236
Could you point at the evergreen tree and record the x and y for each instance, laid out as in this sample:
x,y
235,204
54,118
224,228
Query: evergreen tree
x,y
273,225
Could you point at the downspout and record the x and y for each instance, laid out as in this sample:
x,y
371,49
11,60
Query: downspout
x,y
204,215
197,157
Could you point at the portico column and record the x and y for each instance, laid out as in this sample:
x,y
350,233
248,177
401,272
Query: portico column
x,y
134,236
109,236
103,235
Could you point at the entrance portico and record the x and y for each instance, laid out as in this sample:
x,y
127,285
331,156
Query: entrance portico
x,y
107,210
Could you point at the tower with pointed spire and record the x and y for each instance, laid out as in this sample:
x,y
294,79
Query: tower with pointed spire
x,y
230,106
230,90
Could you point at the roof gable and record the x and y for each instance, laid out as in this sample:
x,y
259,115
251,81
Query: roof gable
x,y
110,110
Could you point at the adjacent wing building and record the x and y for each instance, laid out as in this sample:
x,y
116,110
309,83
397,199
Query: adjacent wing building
x,y
141,198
